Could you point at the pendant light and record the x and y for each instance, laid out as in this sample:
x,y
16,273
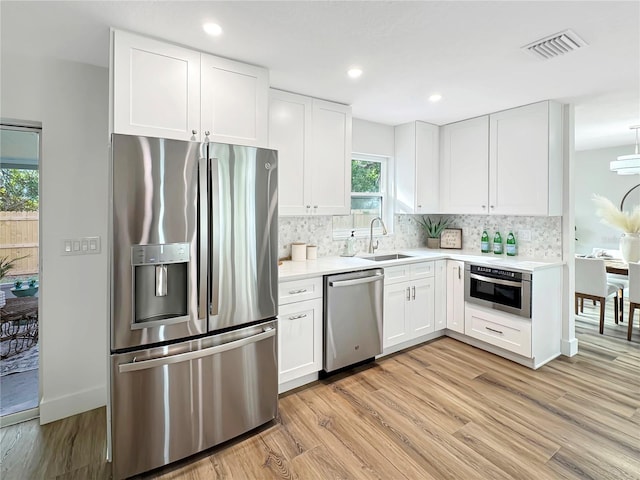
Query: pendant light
x,y
628,164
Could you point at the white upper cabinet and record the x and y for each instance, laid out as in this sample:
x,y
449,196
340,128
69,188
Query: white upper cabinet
x,y
464,172
525,160
506,163
235,100
313,139
290,134
163,90
331,159
417,166
156,88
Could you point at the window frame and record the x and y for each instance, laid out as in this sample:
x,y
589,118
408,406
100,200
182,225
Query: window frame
x,y
386,194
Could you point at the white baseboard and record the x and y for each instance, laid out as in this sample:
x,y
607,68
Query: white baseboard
x,y
297,382
52,409
569,347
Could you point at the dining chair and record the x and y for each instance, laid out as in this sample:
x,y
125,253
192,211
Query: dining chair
x,y
591,283
621,281
634,293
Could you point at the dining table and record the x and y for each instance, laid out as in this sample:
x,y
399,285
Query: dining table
x,y
617,266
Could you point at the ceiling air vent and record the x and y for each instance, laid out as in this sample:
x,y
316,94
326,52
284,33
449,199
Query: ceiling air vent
x,y
555,45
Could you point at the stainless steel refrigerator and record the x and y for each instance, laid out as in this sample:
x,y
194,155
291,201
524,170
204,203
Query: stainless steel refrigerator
x,y
193,297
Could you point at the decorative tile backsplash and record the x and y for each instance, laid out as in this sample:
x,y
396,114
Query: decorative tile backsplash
x,y
545,243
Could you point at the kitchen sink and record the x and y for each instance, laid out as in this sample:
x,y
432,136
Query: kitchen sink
x,y
390,256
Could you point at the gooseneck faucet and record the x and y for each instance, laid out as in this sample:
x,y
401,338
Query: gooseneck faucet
x,y
374,246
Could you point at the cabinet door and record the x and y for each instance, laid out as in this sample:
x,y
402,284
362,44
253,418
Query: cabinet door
x,y
455,296
422,307
417,167
519,161
464,167
299,339
331,159
234,102
427,168
396,303
156,88
290,134
440,297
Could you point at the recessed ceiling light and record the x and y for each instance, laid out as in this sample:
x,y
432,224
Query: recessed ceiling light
x,y
212,29
435,97
354,72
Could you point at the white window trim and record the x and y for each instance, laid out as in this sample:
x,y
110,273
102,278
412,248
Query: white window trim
x,y
387,192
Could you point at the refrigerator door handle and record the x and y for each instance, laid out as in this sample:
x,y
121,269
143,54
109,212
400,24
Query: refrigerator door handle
x,y
205,352
203,178
214,232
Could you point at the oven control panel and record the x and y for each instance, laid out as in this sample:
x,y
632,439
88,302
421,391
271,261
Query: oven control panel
x,y
495,272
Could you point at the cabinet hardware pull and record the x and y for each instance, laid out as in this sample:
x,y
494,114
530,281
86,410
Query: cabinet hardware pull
x,y
315,206
414,292
194,132
458,273
308,206
408,293
296,317
294,292
492,206
484,206
492,330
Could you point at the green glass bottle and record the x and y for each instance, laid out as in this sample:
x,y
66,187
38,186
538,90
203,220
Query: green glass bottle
x,y
484,242
497,244
511,245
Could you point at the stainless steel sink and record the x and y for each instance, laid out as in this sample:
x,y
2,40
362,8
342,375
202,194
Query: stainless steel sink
x,y
390,256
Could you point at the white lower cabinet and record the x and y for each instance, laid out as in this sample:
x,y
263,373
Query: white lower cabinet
x,y
408,304
299,332
500,329
440,301
455,296
300,339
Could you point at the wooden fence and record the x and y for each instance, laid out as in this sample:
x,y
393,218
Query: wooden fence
x,y
19,237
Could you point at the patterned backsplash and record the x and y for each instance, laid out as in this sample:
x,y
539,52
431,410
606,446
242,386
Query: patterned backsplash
x,y
545,243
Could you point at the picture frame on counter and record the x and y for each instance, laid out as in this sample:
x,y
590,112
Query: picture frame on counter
x,y
451,238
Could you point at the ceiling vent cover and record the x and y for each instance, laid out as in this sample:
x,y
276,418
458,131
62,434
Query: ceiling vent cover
x,y
555,45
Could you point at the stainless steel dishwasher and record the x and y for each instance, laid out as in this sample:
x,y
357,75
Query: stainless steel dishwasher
x,y
352,317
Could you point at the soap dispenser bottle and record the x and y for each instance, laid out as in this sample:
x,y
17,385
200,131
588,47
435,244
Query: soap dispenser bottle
x,y
351,244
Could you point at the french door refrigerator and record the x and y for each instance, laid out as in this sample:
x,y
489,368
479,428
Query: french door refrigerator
x,y
193,297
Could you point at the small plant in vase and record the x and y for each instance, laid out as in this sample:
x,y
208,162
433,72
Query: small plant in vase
x,y
18,284
629,223
433,229
32,282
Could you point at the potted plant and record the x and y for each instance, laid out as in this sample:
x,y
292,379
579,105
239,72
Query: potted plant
x,y
6,266
433,229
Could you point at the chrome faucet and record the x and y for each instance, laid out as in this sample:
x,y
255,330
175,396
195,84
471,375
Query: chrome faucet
x,y
374,246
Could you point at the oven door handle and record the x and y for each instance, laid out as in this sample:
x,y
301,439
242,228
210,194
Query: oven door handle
x,y
508,283
205,352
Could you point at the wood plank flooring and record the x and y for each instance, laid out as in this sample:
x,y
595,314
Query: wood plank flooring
x,y
444,410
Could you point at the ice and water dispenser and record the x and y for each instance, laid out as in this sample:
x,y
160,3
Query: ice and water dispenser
x,y
160,283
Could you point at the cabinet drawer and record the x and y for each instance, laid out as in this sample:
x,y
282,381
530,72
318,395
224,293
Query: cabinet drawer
x,y
299,290
401,273
422,270
502,330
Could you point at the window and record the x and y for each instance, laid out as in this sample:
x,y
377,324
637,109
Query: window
x,y
370,197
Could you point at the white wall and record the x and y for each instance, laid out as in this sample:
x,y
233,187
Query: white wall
x,y
592,175
372,138
71,101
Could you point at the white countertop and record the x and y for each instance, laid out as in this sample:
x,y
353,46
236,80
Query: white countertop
x,y
327,265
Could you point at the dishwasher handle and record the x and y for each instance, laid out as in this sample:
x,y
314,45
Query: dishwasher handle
x,y
194,355
346,283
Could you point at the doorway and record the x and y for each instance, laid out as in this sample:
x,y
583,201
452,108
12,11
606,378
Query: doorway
x,y
19,272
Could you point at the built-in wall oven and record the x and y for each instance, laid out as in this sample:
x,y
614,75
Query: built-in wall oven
x,y
498,288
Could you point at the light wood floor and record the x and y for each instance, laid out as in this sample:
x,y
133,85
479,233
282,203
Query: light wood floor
x,y
444,410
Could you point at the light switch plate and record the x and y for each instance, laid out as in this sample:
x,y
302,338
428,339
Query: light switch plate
x,y
81,246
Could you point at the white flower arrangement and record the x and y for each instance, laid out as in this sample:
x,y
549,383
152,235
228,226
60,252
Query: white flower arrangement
x,y
614,217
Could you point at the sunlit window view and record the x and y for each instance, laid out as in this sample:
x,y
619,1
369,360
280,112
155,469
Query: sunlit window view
x,y
368,194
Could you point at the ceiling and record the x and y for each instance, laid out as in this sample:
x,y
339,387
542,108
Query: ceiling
x,y
469,52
